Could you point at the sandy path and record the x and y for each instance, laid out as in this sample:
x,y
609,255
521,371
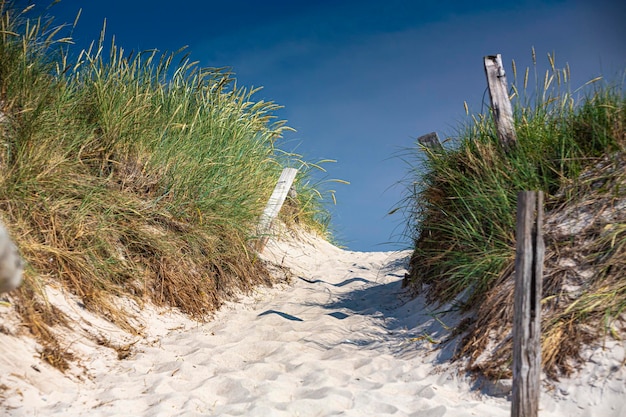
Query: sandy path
x,y
341,340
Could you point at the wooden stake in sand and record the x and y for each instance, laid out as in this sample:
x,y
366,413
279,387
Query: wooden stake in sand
x,y
527,305
274,204
500,103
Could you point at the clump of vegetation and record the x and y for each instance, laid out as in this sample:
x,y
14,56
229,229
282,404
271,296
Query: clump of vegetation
x,y
127,175
463,211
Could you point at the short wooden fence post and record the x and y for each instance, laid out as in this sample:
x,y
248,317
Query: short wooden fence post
x,y
274,205
500,103
527,305
430,141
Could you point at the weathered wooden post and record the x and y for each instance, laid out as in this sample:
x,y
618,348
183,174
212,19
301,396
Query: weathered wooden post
x,y
500,103
274,205
430,141
527,305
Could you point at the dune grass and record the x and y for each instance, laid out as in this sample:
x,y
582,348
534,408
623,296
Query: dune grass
x,y
136,175
571,145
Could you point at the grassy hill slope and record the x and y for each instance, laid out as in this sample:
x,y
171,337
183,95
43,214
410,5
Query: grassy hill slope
x,y
462,210
135,175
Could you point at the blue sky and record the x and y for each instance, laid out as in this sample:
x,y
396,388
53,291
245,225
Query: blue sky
x,y
361,80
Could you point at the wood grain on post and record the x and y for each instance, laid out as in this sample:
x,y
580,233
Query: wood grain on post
x,y
527,305
274,204
500,103
430,141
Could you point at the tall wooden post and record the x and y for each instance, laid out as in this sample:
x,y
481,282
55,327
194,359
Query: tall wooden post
x,y
500,103
274,204
527,305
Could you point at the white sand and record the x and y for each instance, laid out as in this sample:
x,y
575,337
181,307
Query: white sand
x,y
342,339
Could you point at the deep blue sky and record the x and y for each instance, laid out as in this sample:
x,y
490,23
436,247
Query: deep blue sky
x,y
361,79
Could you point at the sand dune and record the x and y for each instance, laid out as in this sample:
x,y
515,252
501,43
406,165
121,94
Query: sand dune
x,y
341,338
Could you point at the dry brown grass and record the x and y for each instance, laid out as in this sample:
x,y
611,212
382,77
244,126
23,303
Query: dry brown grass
x,y
163,261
